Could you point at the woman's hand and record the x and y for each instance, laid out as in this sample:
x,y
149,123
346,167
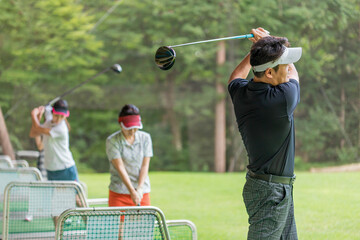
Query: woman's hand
x,y
140,192
38,112
35,112
135,197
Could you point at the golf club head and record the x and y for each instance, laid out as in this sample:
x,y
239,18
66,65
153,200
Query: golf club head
x,y
165,57
116,68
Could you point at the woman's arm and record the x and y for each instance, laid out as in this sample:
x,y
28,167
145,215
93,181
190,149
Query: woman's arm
x,y
143,174
68,124
39,143
36,128
120,167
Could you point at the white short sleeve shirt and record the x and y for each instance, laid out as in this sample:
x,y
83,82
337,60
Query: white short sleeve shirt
x,y
57,155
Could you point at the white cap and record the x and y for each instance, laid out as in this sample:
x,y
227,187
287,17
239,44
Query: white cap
x,y
290,55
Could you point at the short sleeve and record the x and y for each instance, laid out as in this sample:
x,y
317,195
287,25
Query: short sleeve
x,y
59,131
148,149
236,84
48,113
291,92
112,149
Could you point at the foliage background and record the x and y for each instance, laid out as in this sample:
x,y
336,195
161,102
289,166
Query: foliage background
x,y
48,46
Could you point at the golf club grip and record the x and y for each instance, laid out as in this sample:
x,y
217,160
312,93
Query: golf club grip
x,y
53,101
214,40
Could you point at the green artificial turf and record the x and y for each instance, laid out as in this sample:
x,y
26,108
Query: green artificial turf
x,y
327,205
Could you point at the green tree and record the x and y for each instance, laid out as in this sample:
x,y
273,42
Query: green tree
x,y
329,73
45,47
49,46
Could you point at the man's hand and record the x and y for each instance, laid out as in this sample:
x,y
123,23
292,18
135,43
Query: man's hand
x,y
244,67
292,72
258,34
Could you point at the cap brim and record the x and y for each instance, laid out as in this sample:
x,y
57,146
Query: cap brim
x,y
66,114
131,126
293,55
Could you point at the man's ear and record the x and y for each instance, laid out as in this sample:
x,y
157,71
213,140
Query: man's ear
x,y
269,73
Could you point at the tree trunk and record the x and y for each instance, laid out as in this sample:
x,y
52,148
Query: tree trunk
x,y
237,147
4,138
234,139
220,116
342,113
171,113
358,145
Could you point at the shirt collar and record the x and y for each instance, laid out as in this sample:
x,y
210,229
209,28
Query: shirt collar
x,y
123,140
258,85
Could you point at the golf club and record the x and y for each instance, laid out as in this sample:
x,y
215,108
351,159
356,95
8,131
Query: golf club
x,y
165,55
116,68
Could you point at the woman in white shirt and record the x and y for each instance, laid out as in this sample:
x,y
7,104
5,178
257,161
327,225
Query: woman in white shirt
x,y
58,159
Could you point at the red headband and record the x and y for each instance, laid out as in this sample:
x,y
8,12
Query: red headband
x,y
131,121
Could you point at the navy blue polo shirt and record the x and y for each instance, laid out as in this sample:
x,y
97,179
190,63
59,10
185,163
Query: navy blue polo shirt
x,y
264,114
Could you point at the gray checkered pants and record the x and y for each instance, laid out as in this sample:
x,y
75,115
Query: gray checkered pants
x,y
270,208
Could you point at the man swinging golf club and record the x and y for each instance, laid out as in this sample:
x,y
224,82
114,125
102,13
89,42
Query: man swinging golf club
x,y
264,108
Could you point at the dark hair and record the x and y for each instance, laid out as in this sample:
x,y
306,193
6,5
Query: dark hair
x,y
61,105
129,109
267,49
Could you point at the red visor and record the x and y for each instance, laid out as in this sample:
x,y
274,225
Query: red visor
x,y
131,121
64,113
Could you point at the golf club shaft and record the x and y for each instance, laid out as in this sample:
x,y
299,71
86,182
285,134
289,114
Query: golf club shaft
x,y
77,86
214,40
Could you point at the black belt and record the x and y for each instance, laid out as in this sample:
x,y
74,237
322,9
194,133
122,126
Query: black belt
x,y
273,178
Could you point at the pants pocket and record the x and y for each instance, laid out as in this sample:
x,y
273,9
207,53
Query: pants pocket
x,y
280,202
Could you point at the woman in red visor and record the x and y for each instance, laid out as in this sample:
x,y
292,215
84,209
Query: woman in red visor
x,y
129,151
58,159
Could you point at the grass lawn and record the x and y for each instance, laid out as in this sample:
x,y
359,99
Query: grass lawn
x,y
327,205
